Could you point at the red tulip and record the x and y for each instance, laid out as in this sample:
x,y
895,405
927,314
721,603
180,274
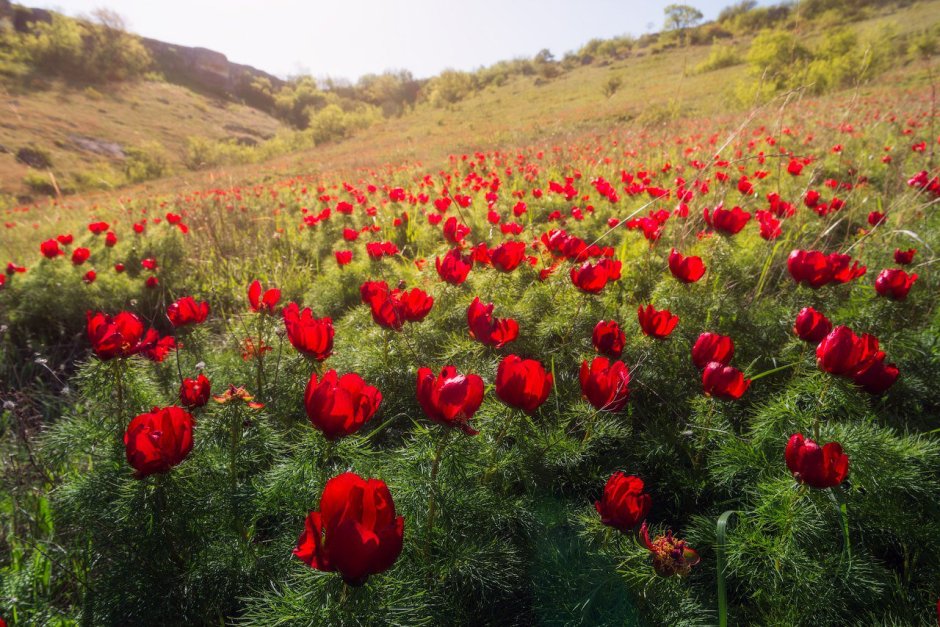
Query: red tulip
x,y
811,326
816,466
592,278
80,256
195,392
455,267
450,399
904,257
187,311
725,382
356,532
730,222
155,442
50,249
624,504
671,556
686,269
608,339
263,303
894,283
842,352
495,332
605,384
507,256
658,324
712,347
119,336
339,406
311,336
522,383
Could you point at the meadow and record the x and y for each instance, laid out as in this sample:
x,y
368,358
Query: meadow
x,y
607,364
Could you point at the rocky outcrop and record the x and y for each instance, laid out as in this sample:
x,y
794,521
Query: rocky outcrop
x,y
205,69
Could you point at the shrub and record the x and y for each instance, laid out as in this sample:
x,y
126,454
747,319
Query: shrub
x,y
720,56
145,162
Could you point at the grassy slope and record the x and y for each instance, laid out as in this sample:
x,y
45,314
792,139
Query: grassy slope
x,y
656,90
130,115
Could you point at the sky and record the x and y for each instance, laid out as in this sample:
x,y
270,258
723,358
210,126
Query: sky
x,y
349,38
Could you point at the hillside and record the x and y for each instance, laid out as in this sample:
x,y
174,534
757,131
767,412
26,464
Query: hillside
x,y
655,82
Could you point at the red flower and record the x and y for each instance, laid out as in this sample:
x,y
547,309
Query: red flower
x,y
156,348
522,383
842,352
455,267
311,336
98,227
454,231
592,278
343,257
811,326
874,376
730,222
89,277
372,290
725,382
235,393
624,504
605,384
816,269
339,406
712,347
12,269
119,336
507,256
149,264
894,283
809,267
265,303
608,339
393,309
670,555
686,269
65,240
495,332
110,240
876,217
450,399
769,225
187,311
155,442
356,532
816,466
119,267
80,256
195,392
904,257
658,324
152,282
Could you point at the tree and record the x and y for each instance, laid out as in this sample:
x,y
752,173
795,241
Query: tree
x,y
680,17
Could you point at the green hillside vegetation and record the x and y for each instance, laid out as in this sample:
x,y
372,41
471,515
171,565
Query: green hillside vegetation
x,y
143,127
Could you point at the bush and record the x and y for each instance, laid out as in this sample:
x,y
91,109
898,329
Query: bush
x,y
146,162
720,56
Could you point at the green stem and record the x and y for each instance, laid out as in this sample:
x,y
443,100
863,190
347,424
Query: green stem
x,y
721,560
837,496
432,503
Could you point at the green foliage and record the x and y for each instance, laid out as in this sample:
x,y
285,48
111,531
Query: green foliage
x,y
720,56
145,162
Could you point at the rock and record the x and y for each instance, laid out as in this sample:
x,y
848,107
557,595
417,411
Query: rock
x,y
112,150
34,158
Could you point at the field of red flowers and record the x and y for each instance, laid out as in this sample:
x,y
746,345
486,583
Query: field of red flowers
x,y
680,374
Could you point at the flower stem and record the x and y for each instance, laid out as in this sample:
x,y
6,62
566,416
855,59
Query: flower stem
x,y
432,503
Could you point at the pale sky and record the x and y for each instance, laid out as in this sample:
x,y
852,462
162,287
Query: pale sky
x,y
348,38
